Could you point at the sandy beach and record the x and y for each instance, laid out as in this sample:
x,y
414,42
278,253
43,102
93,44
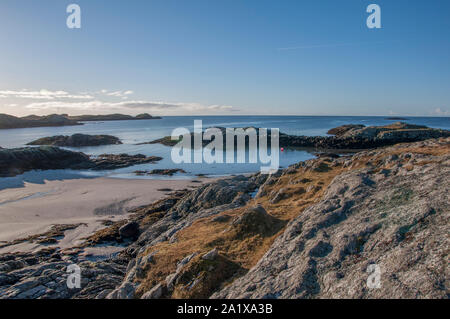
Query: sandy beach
x,y
33,209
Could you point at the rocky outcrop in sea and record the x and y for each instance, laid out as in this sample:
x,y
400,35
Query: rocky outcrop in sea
x,y
346,137
362,137
19,160
77,140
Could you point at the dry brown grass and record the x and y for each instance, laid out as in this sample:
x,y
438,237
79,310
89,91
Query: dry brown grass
x,y
52,236
443,148
242,250
202,277
108,234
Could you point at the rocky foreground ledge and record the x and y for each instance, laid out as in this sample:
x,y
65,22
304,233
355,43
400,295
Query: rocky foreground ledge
x,y
19,160
310,231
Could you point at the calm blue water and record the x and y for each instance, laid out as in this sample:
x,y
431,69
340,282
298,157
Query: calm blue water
x,y
133,132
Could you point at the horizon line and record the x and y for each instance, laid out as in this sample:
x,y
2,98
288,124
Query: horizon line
x,y
241,115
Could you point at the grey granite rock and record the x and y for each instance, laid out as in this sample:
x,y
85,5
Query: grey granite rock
x,y
396,222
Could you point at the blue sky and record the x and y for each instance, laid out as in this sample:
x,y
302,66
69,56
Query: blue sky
x,y
255,57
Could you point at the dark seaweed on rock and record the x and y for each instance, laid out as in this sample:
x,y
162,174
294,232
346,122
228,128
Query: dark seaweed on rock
x,y
19,160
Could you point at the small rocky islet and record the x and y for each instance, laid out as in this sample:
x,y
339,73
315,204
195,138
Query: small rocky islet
x,y
77,140
167,172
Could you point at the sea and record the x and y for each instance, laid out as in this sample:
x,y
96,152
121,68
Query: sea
x,y
134,132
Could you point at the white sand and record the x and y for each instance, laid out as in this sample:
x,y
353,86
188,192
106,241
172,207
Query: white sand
x,y
33,209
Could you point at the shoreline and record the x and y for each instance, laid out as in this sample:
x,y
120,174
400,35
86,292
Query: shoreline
x,y
85,201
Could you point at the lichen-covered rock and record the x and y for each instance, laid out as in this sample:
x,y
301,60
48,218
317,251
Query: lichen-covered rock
x,y
125,291
40,275
212,195
279,196
211,254
154,293
368,224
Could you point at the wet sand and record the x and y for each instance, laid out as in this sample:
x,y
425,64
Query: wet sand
x,y
33,209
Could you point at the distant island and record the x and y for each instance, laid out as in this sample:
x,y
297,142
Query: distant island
x,y
396,118
113,117
10,122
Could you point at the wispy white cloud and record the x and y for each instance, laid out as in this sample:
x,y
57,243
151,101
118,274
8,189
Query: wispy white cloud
x,y
102,101
159,106
119,93
45,94
42,95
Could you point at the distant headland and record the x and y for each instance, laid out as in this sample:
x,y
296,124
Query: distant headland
x,y
10,122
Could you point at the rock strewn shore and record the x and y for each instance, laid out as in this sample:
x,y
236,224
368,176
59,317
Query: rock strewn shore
x,y
17,161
